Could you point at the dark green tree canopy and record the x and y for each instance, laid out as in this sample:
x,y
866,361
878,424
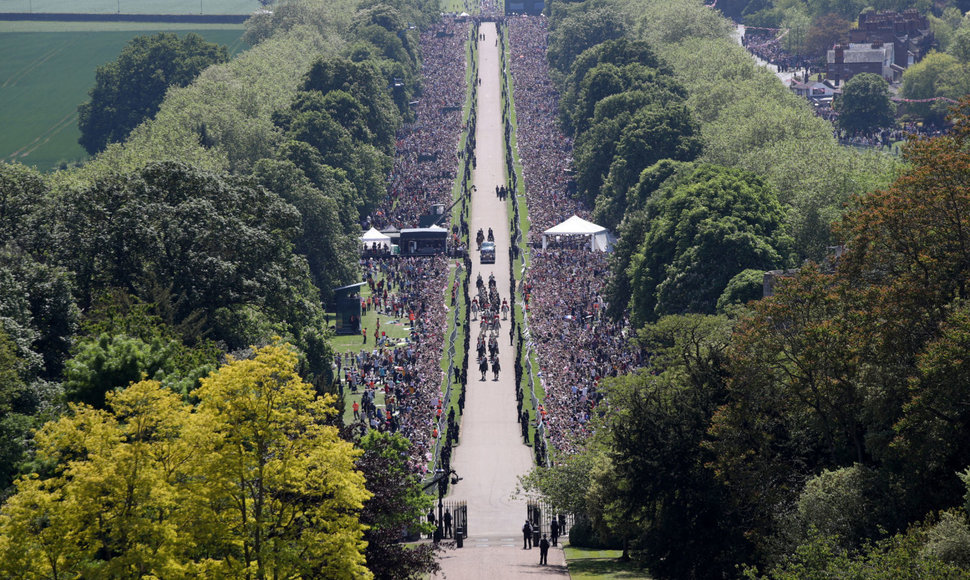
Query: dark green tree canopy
x,y
593,154
600,136
746,286
329,249
657,422
618,52
325,178
419,13
864,104
384,26
575,27
654,133
397,506
130,89
212,241
309,120
104,363
607,79
825,31
345,115
23,193
38,299
705,227
365,82
383,38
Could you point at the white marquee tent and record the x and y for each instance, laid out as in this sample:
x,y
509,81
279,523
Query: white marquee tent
x,y
372,236
599,237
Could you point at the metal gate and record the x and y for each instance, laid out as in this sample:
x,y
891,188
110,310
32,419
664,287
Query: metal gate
x,y
541,514
459,517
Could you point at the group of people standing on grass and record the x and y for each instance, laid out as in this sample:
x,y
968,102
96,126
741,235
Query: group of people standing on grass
x,y
411,289
577,345
409,374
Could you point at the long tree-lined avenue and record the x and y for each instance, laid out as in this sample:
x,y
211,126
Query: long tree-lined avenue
x,y
491,455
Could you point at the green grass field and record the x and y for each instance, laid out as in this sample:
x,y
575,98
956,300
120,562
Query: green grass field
x,y
590,564
132,6
44,76
395,328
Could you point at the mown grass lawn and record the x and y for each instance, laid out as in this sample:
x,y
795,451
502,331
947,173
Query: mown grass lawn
x,y
44,76
397,329
132,6
590,564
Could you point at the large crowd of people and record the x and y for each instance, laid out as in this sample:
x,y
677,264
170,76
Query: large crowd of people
x,y
412,289
545,152
576,345
766,44
425,164
408,372
491,7
886,138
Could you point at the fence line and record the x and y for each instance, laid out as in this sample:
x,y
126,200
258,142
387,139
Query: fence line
x,y
441,457
540,444
541,514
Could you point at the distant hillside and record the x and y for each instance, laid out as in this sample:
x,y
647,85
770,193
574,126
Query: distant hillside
x,y
130,6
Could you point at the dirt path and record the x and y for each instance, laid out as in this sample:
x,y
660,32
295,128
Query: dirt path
x,y
491,455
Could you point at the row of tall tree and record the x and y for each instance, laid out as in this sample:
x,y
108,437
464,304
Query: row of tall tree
x,y
218,218
674,86
816,433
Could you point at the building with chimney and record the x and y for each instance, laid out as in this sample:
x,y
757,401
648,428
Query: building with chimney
x,y
844,62
908,31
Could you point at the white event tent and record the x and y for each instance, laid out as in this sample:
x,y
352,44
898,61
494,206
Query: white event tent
x,y
373,236
599,237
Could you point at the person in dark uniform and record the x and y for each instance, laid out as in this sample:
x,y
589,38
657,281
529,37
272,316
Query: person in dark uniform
x,y
554,530
543,551
447,520
495,368
483,366
527,535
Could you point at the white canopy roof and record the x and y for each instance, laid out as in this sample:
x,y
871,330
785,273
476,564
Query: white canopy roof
x,y
574,226
600,237
374,236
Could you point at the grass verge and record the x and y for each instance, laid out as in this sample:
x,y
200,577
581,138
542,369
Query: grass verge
x,y
523,259
591,564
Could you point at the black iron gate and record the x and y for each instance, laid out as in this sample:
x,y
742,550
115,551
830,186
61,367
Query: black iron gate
x,y
541,515
459,518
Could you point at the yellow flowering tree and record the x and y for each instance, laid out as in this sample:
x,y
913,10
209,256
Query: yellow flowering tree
x,y
248,484
279,496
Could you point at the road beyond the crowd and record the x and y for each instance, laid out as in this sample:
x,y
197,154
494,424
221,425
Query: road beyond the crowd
x,y
491,455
